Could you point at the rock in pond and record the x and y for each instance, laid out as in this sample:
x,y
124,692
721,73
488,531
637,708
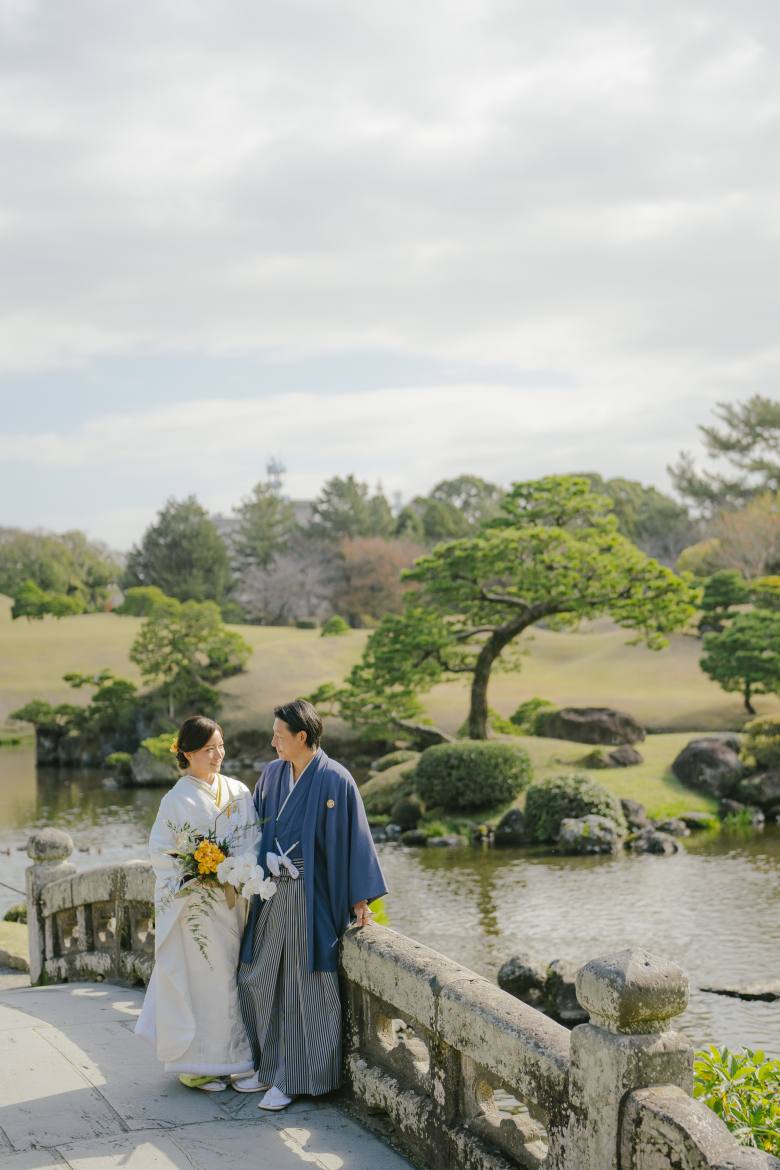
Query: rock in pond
x,y
560,996
451,842
414,837
590,725
525,977
590,834
698,821
766,992
747,812
762,790
651,841
711,763
510,830
674,826
634,812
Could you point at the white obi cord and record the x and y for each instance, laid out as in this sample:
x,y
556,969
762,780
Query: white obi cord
x,y
276,862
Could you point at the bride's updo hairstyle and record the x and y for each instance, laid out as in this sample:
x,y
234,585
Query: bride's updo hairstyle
x,y
193,734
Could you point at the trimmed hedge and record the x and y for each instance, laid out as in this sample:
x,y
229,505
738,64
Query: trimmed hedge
x,y
471,774
761,742
550,801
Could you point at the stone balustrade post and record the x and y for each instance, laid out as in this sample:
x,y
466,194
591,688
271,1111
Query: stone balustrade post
x,y
48,849
628,1044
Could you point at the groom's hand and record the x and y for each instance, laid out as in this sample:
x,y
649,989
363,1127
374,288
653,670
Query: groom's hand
x,y
362,913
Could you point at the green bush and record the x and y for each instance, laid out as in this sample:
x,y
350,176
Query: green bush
x,y
120,762
524,718
549,801
141,600
306,624
743,1088
383,789
761,743
392,758
471,774
232,613
17,913
159,746
334,627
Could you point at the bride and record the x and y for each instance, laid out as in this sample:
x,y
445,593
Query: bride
x,y
191,1012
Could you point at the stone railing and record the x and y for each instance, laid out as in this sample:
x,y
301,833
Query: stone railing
x,y
455,1071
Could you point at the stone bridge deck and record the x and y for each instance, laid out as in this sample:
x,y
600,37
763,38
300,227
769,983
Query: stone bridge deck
x,y
78,1089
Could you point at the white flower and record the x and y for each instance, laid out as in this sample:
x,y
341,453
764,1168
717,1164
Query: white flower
x,y
183,841
256,883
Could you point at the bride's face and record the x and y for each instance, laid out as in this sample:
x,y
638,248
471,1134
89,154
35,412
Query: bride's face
x,y
209,758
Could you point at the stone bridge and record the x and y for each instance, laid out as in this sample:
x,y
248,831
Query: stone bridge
x,y
440,1062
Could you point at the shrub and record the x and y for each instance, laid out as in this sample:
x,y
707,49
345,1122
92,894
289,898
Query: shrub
x,y
392,758
141,600
306,624
550,801
334,626
761,743
16,913
120,762
159,746
472,774
524,717
743,1088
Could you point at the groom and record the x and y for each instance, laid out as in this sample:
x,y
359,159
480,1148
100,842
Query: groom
x,y
317,845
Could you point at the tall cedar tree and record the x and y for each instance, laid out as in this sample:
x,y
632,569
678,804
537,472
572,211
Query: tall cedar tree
x,y
182,553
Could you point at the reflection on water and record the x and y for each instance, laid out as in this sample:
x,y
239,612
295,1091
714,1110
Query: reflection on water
x,y
715,908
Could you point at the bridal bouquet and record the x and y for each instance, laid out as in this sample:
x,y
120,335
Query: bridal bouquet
x,y
207,866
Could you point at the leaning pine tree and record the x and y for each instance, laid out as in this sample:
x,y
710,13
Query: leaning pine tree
x,y
553,554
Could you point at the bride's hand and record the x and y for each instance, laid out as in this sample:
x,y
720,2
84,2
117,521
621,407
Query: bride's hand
x,y
362,913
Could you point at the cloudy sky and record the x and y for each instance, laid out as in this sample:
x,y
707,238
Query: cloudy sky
x,y
403,240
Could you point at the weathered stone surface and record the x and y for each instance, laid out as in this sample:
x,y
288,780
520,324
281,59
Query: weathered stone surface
x,y
762,790
651,841
590,725
674,826
735,808
664,1127
625,757
710,763
453,841
49,845
147,770
632,991
590,834
634,812
768,991
510,830
525,977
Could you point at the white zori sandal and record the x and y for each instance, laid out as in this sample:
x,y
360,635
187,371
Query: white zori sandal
x,y
274,1100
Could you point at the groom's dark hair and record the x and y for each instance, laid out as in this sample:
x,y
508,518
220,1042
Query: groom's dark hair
x,y
299,715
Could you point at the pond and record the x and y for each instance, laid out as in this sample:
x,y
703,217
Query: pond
x,y
714,908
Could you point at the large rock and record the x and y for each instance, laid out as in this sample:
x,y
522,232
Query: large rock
x,y
711,763
634,812
147,770
746,814
651,841
625,757
590,834
698,822
762,790
510,830
560,994
525,977
590,725
674,826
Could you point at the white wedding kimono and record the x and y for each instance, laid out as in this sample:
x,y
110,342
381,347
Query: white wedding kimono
x,y
191,1012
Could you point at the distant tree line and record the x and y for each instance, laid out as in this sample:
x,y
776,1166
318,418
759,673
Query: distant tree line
x,y
279,561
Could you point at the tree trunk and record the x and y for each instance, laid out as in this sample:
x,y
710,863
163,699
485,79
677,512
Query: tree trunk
x,y
747,694
478,711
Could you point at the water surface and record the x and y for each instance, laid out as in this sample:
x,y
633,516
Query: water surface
x,y
715,908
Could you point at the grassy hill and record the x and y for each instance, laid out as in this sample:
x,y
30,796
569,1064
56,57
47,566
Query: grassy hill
x,y
665,691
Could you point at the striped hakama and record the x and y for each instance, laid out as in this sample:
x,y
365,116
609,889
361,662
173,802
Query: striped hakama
x,y
292,1015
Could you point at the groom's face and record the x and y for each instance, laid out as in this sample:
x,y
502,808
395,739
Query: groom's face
x,y
286,743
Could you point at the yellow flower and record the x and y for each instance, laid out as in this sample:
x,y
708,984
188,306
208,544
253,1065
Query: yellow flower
x,y
174,747
208,856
